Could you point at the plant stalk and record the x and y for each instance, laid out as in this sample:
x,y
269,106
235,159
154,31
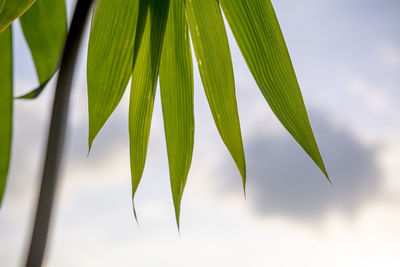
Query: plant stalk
x,y
56,135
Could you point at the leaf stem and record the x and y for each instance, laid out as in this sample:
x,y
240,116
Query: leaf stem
x,y
56,135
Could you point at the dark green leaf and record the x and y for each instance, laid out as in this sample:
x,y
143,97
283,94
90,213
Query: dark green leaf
x,y
11,10
258,34
6,104
45,29
176,84
214,61
152,22
110,58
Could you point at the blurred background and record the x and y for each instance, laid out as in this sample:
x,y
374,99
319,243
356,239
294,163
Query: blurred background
x,y
347,59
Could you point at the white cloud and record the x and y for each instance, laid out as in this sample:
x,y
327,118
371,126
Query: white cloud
x,y
389,55
372,96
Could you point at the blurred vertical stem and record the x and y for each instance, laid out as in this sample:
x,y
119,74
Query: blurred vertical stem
x,y
56,135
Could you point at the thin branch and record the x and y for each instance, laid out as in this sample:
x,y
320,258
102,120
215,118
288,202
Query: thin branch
x,y
57,135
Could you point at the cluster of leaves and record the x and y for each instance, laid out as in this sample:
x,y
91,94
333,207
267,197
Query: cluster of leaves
x,y
44,24
143,40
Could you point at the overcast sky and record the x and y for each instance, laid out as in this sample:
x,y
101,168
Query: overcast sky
x,y
347,58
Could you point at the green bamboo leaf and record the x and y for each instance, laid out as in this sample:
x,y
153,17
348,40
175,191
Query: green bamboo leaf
x,y
110,58
152,22
45,28
176,84
11,10
214,61
47,17
256,29
6,105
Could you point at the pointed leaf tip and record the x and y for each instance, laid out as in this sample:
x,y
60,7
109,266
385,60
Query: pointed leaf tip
x,y
176,84
256,29
152,17
35,92
134,212
212,51
110,58
44,26
177,207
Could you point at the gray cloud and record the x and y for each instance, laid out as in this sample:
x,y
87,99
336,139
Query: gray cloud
x,y
283,181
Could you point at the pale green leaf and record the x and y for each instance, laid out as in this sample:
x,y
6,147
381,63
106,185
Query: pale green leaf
x,y
211,47
110,58
45,28
11,10
176,86
152,22
6,105
258,34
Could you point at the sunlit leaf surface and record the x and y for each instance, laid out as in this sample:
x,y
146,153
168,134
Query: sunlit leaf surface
x,y
152,22
176,84
6,105
131,38
214,61
110,58
258,34
12,9
45,29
